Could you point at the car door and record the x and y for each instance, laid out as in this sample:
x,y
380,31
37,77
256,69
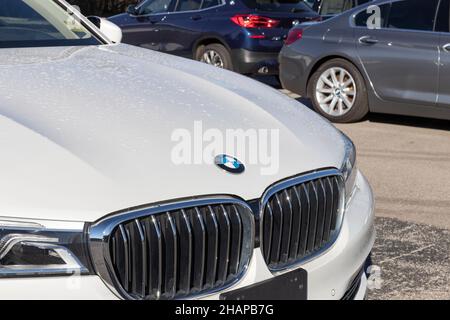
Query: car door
x,y
186,24
145,28
400,54
443,27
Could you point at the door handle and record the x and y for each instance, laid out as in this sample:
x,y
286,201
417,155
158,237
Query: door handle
x,y
196,17
368,40
446,47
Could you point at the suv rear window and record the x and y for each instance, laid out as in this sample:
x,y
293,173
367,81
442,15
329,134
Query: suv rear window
x,y
278,5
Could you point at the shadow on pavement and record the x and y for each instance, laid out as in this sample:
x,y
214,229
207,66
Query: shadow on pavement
x,y
410,121
306,101
269,80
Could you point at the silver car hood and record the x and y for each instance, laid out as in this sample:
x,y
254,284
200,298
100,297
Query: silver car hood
x,y
86,131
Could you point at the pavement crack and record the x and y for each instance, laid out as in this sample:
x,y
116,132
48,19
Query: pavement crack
x,y
406,254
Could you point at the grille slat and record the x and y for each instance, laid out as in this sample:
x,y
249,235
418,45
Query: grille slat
x,y
199,230
336,192
181,252
322,203
155,244
296,224
267,230
300,218
171,255
286,207
329,208
135,274
144,253
126,258
236,236
212,227
313,216
277,230
224,249
305,213
185,252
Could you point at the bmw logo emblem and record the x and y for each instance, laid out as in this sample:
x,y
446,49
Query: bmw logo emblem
x,y
229,164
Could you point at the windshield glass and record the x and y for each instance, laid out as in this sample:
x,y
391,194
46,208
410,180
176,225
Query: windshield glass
x,y
36,23
278,5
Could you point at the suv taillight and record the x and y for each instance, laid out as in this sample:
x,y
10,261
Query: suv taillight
x,y
254,21
294,35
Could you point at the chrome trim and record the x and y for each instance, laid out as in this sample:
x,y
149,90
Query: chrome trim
x,y
446,47
71,263
10,240
290,182
140,5
100,232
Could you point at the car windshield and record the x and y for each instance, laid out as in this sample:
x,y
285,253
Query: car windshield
x,y
38,23
278,5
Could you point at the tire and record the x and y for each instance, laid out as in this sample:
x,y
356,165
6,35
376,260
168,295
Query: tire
x,y
222,53
348,107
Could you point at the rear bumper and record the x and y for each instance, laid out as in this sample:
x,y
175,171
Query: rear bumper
x,y
294,71
253,62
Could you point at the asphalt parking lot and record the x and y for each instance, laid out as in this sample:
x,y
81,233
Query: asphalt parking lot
x,y
407,161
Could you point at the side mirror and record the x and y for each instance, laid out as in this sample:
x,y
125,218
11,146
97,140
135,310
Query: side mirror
x,y
131,9
109,29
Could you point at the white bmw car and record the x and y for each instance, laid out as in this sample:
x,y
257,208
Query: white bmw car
x,y
93,205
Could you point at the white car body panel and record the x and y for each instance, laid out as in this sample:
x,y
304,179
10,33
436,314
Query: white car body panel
x,y
91,129
86,131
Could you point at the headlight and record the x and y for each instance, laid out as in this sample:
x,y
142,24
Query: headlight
x,y
29,248
349,168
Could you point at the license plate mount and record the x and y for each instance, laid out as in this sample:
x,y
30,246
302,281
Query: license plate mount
x,y
288,286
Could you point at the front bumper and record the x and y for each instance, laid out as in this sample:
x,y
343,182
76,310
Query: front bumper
x,y
253,62
329,275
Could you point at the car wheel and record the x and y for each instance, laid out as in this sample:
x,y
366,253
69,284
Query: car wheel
x,y
338,91
216,55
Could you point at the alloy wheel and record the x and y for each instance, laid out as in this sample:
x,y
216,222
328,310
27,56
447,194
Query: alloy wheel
x,y
336,91
213,58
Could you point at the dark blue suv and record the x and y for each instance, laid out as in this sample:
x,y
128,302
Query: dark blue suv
x,y
241,35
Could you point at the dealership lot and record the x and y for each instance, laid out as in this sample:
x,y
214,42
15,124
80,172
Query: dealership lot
x,y
407,161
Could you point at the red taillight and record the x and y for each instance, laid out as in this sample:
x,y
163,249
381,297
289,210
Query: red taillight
x,y
254,21
294,35
257,36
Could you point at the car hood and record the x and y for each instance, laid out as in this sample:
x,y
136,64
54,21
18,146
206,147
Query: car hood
x,y
87,131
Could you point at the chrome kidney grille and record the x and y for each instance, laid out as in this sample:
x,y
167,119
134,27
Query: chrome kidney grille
x,y
196,247
301,217
178,251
